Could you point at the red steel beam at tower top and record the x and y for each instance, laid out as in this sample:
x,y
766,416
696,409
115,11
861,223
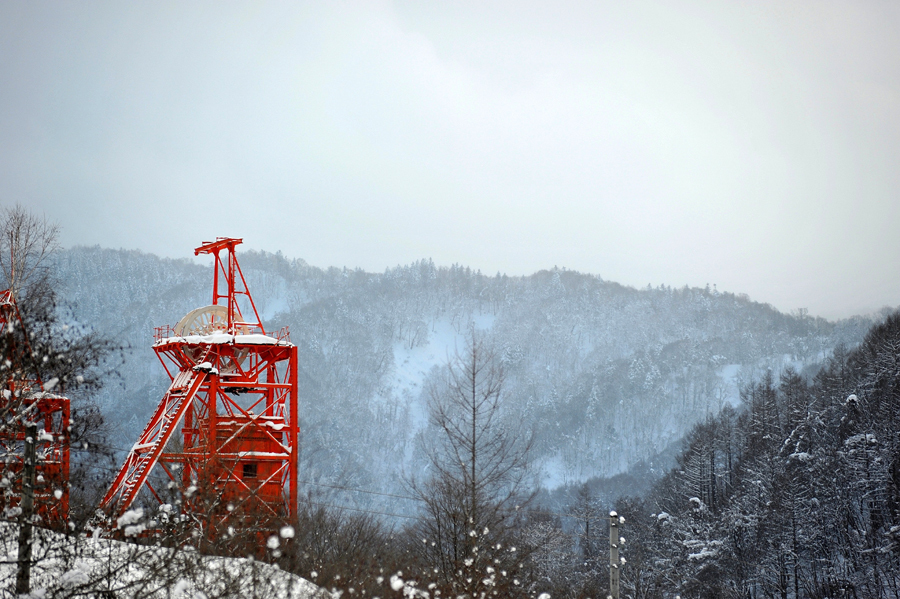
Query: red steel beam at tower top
x,y
236,285
221,243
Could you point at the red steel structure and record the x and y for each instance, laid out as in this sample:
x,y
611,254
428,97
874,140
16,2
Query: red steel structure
x,y
23,400
234,395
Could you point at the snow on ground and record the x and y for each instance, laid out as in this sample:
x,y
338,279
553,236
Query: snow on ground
x,y
79,565
273,306
731,378
484,321
412,364
554,473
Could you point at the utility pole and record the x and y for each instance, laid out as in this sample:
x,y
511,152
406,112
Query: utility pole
x,y
614,555
23,574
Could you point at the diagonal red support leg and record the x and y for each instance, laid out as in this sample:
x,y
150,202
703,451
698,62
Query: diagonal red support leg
x,y
145,453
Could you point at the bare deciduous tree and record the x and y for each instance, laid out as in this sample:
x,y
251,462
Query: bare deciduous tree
x,y
39,355
479,465
26,243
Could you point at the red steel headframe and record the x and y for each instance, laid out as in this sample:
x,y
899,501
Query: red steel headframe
x,y
234,394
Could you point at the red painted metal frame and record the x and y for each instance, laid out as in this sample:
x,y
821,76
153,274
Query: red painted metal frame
x,y
24,400
235,398
234,288
245,416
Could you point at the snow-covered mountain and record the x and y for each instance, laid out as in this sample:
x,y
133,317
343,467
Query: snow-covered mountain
x,y
606,375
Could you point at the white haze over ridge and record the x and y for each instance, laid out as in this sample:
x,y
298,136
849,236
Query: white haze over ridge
x,y
751,146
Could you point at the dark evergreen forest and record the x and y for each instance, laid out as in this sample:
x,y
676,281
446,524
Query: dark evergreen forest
x,y
795,494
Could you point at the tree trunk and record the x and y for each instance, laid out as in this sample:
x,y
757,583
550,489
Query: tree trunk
x,y
23,574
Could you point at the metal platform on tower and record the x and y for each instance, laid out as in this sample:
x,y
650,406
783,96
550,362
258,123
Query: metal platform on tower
x,y
225,434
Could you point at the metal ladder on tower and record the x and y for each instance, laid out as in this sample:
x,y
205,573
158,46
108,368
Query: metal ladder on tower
x,y
145,453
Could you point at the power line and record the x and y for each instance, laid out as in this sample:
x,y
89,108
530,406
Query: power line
x,y
302,482
356,509
419,499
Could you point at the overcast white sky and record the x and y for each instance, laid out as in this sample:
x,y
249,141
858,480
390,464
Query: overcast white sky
x,y
752,145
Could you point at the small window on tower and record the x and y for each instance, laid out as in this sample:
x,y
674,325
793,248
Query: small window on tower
x,y
250,470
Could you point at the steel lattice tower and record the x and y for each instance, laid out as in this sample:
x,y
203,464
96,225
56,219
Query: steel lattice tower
x,y
233,394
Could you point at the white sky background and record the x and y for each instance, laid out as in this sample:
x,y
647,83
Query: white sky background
x,y
751,145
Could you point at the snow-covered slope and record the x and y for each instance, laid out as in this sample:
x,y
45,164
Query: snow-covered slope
x,y
67,566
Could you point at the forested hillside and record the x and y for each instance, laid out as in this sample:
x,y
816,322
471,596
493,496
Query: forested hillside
x,y
607,375
798,495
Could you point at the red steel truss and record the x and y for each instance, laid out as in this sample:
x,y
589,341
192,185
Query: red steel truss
x,y
23,401
234,396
